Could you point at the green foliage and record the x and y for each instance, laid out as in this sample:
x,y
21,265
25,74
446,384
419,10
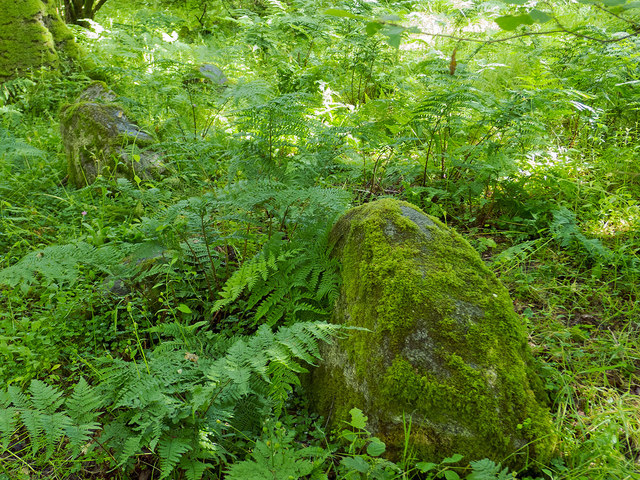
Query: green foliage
x,y
60,264
285,283
488,470
277,456
566,232
179,404
524,140
47,421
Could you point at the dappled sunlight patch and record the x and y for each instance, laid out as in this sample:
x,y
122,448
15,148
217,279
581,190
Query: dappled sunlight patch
x,y
426,23
619,214
537,161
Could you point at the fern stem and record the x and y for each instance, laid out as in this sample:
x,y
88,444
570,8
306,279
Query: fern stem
x,y
105,450
21,460
212,118
135,331
206,244
193,112
426,162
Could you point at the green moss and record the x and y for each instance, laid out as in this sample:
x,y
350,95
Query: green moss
x,y
445,344
32,33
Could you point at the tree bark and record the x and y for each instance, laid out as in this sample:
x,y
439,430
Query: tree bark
x,y
77,11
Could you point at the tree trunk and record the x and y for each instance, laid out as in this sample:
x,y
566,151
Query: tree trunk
x,y
32,36
76,11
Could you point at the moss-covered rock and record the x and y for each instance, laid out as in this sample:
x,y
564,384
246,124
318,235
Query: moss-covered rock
x,y
99,139
445,347
32,35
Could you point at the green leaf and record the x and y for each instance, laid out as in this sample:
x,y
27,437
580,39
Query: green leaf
x,y
193,469
511,22
337,12
183,308
358,464
376,447
394,35
539,16
451,475
45,397
453,459
8,421
170,450
358,419
515,2
349,436
373,28
424,467
486,469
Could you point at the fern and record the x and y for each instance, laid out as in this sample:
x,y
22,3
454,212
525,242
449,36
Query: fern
x,y
284,284
45,397
15,149
565,230
60,264
168,407
171,449
193,469
269,464
8,423
277,457
48,418
488,470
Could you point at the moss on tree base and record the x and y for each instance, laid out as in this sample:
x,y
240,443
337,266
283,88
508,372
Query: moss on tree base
x,y
32,36
445,347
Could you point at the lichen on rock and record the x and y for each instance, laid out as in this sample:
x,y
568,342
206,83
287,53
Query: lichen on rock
x,y
444,346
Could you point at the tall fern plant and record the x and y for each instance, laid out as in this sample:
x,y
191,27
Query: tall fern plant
x,y
291,276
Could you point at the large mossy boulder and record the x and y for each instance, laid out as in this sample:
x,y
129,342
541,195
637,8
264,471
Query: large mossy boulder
x,y
444,349
99,139
32,35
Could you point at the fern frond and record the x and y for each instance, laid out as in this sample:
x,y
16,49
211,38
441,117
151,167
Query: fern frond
x,y
267,304
45,397
131,446
193,469
59,264
54,427
244,277
19,399
8,423
32,421
80,434
83,403
170,451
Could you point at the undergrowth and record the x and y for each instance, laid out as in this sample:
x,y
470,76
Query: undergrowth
x,y
161,328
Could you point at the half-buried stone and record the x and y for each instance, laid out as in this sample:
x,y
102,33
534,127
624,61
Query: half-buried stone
x,y
99,139
445,348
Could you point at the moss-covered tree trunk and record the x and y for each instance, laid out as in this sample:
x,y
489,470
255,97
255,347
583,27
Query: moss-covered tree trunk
x,y
75,11
32,35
